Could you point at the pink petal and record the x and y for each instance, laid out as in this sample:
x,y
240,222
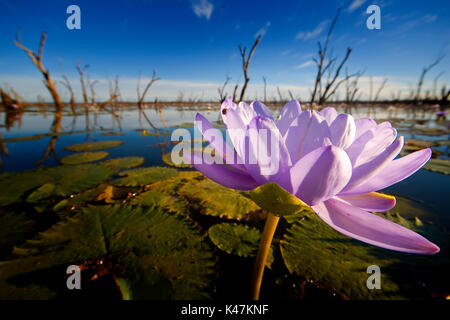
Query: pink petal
x,y
364,172
226,176
343,130
261,109
296,134
290,111
215,138
363,125
372,201
318,135
245,112
329,114
372,229
319,175
395,171
266,160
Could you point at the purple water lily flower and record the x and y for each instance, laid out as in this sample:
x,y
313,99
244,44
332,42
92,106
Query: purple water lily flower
x,y
328,160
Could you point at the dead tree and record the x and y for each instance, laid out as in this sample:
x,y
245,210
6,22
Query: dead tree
x,y
425,70
91,85
245,62
36,58
82,72
280,95
147,87
236,87
221,90
265,89
326,65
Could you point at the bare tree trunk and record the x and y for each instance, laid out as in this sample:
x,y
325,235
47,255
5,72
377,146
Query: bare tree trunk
x,y
147,87
36,58
425,71
245,62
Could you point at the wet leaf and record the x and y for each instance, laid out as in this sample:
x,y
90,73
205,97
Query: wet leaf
x,y
94,146
84,157
118,164
144,176
161,256
235,239
438,165
213,199
14,228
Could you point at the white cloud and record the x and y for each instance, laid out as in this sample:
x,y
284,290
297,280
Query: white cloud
x,y
306,35
202,8
355,5
305,64
262,32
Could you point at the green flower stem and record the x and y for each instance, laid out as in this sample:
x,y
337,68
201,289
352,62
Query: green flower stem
x,y
263,251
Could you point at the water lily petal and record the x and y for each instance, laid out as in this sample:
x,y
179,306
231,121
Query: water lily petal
x,y
318,135
261,109
319,175
268,155
245,112
363,125
364,172
215,138
235,125
296,134
372,201
395,171
343,130
329,114
222,174
372,229
290,111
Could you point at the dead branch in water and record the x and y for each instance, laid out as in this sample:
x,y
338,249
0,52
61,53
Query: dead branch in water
x,y
222,93
147,87
81,72
91,85
245,62
36,58
425,70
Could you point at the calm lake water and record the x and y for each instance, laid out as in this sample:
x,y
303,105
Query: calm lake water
x,y
429,188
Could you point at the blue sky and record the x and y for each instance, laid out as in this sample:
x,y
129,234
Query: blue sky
x,y
193,43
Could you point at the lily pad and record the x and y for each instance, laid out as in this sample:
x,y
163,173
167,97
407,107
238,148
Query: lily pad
x,y
13,228
167,159
65,180
161,256
118,164
84,157
81,198
235,239
94,146
143,176
106,134
314,251
438,165
213,199
157,199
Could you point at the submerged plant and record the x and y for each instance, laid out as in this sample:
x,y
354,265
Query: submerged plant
x,y
329,162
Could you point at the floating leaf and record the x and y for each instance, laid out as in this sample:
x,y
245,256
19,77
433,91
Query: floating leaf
x,y
43,192
235,239
118,164
84,157
13,229
438,165
161,256
106,134
23,138
274,199
155,199
94,146
313,250
143,176
167,159
213,199
184,125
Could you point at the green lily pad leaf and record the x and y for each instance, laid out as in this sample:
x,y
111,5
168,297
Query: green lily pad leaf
x,y
235,239
13,185
143,176
184,125
94,146
106,134
24,138
80,198
155,199
274,199
118,164
161,256
438,165
315,251
84,157
238,239
167,159
13,228
213,199
43,192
